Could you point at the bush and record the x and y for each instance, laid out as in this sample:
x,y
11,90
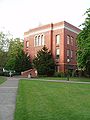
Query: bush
x,y
6,74
59,74
1,74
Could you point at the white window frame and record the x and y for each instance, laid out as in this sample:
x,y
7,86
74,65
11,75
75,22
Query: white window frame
x,y
36,40
42,40
27,44
71,53
57,53
39,40
57,39
68,39
72,40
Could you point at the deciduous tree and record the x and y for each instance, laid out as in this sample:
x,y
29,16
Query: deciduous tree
x,y
83,41
4,45
17,59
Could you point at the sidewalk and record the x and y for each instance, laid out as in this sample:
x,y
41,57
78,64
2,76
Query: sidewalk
x,y
8,91
62,81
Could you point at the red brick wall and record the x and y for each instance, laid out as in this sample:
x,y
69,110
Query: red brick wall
x,y
31,72
50,31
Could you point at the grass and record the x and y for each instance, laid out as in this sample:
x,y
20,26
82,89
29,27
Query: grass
x,y
39,100
2,79
79,79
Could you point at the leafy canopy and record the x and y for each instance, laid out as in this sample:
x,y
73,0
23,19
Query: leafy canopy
x,y
4,46
83,41
17,59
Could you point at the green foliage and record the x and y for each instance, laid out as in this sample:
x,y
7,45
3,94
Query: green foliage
x,y
3,58
17,59
4,41
44,62
59,74
83,41
4,45
15,47
22,62
2,79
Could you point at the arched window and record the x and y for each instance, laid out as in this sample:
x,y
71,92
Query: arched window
x,y
42,39
72,40
35,41
39,40
68,39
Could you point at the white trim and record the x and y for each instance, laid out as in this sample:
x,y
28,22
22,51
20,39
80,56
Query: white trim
x,y
59,27
37,32
49,29
70,29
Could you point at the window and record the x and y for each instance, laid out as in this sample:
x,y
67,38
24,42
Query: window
x,y
35,55
72,40
28,54
68,39
68,52
36,42
57,68
42,39
71,53
57,39
27,44
39,40
57,53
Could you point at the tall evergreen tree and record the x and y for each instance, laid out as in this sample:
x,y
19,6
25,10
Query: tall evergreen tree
x,y
44,62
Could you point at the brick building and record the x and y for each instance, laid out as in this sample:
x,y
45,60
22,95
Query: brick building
x,y
60,38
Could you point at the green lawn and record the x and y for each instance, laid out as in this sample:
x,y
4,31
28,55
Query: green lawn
x,y
82,79
39,100
2,79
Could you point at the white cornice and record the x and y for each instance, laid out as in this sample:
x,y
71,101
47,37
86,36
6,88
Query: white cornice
x,y
49,29
71,29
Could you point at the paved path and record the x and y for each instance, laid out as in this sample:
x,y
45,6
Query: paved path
x,y
63,81
8,91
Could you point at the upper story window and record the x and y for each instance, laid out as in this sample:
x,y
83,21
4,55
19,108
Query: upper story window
x,y
36,42
42,39
57,39
27,44
39,40
72,40
68,39
57,53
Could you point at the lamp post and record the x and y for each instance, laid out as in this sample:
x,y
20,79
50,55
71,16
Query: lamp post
x,y
68,60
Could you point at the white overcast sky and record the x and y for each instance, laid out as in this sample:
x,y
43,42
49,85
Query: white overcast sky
x,y
18,16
